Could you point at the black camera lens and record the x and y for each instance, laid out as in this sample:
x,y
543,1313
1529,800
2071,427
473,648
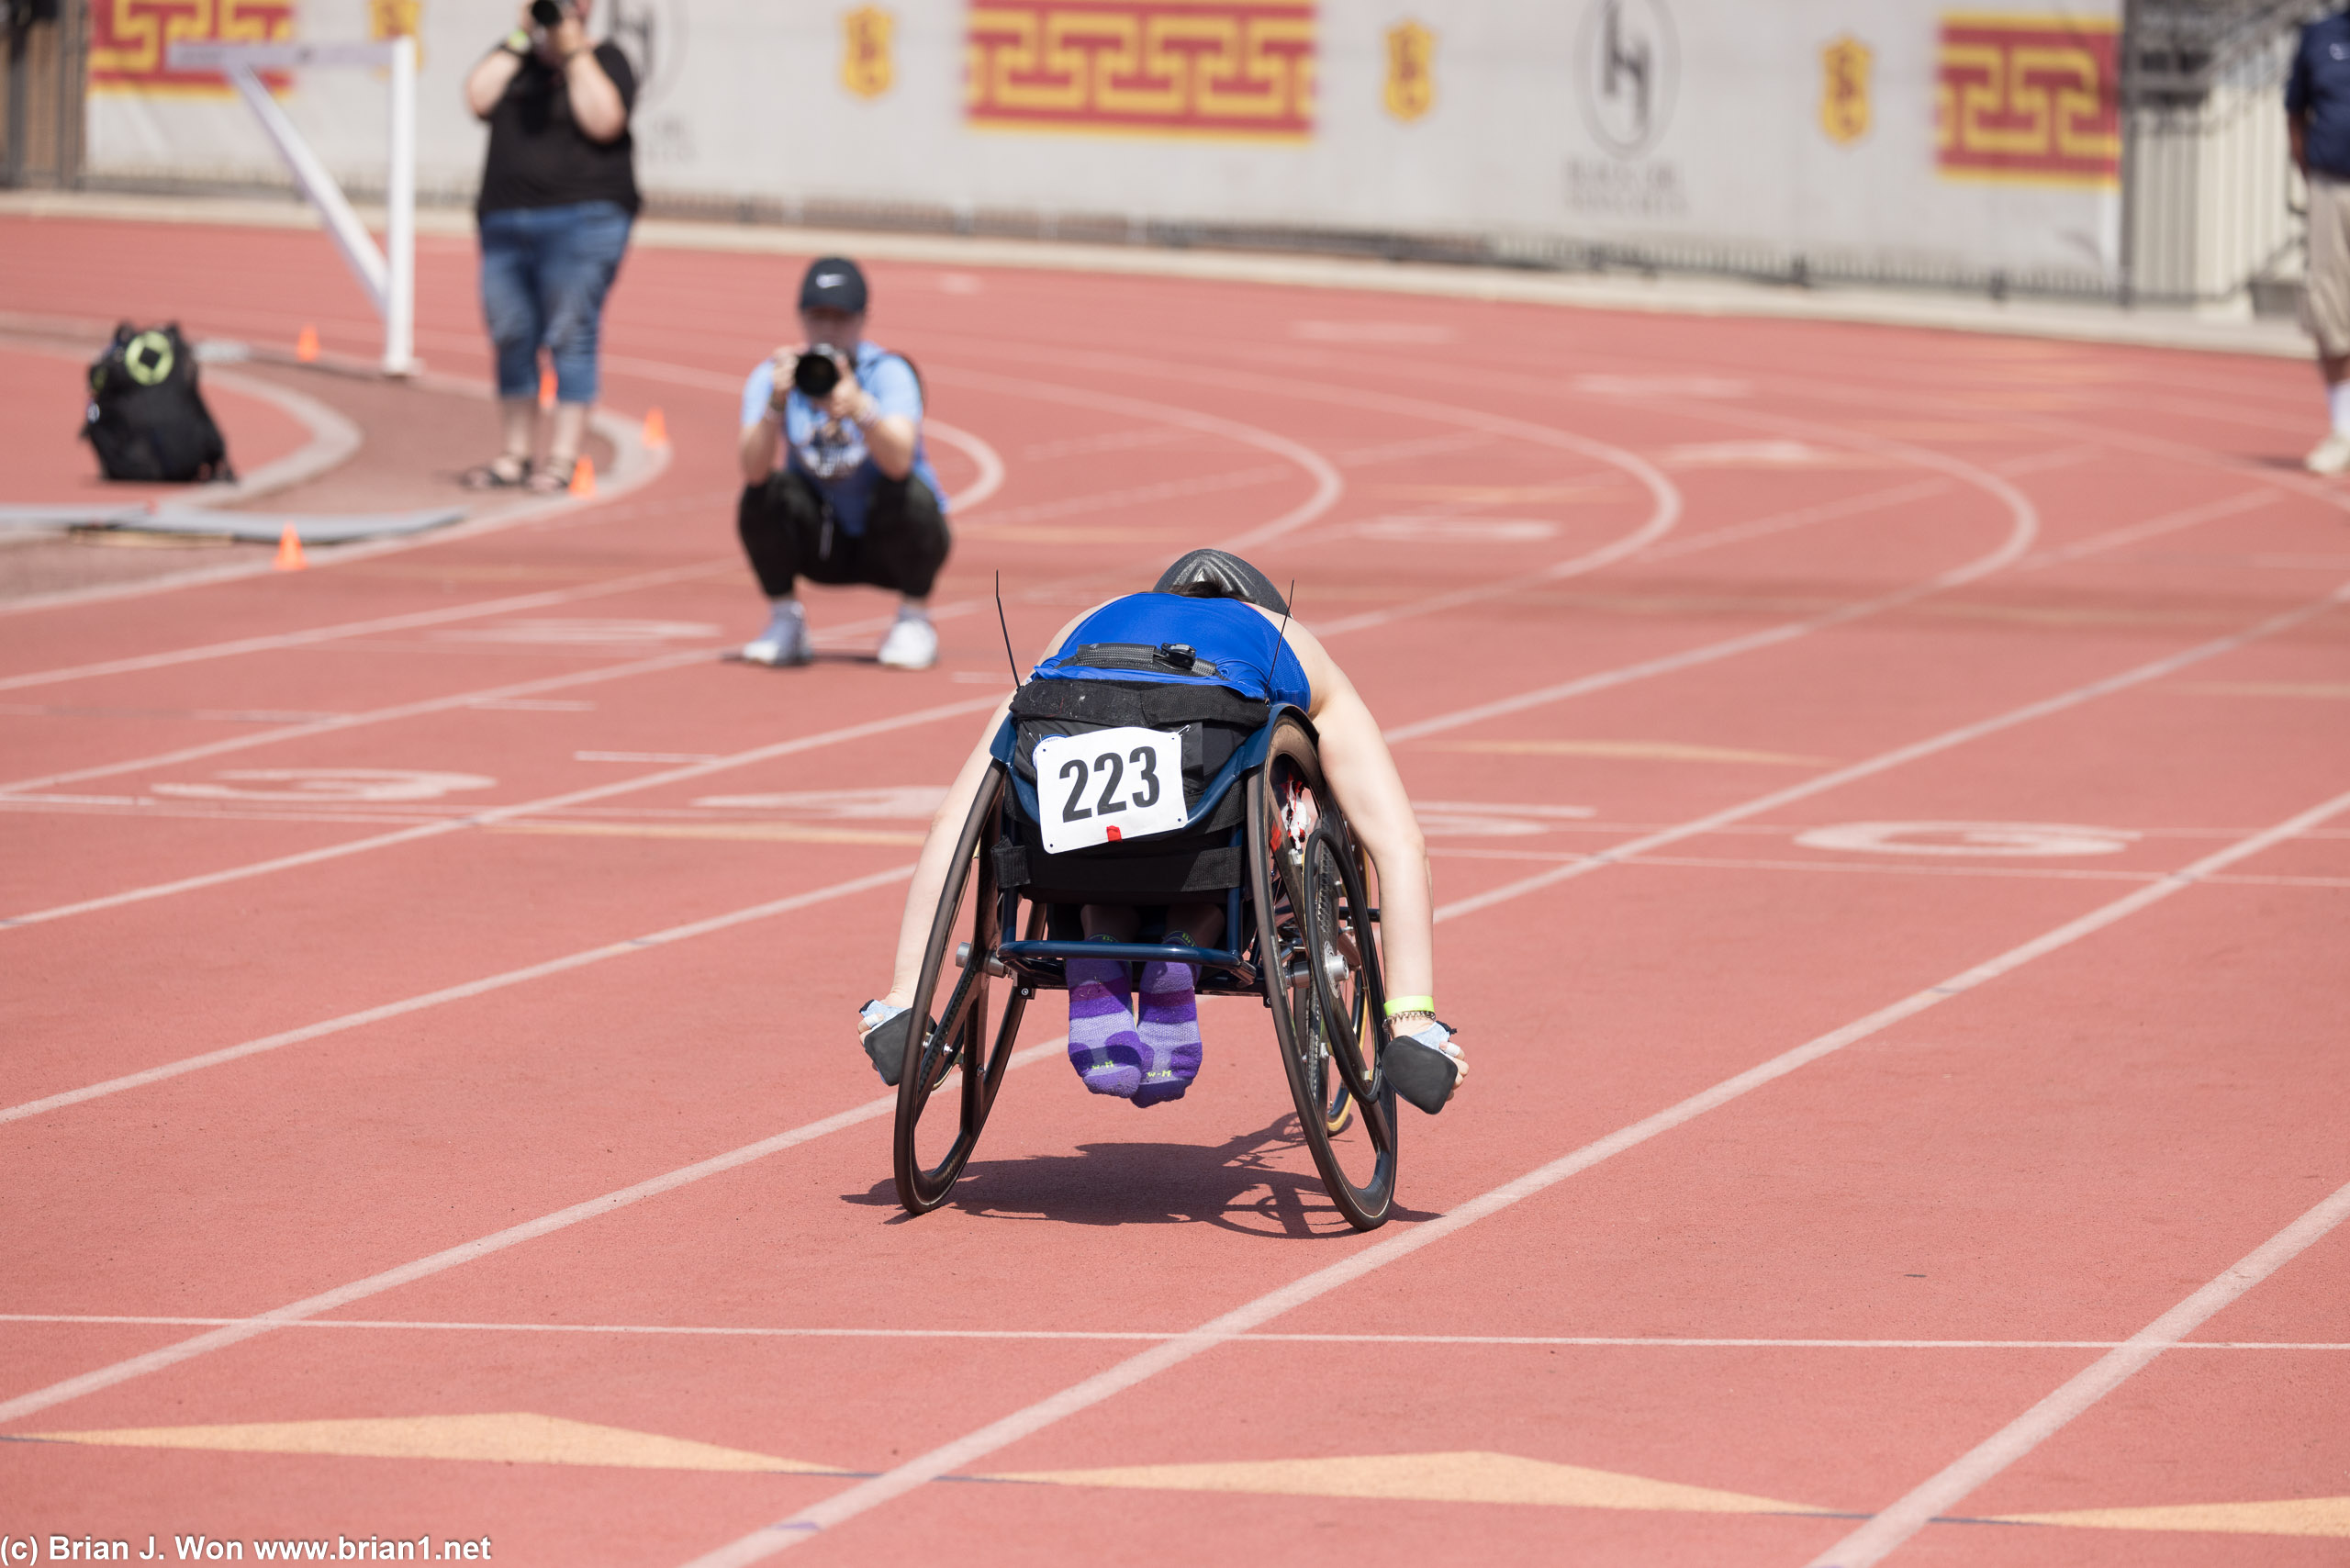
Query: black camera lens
x,y
815,375
546,13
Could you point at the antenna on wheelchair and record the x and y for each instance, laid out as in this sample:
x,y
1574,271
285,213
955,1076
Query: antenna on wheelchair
x,y
1280,638
1008,655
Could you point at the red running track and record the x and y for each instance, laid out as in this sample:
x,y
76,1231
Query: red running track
x,y
1888,793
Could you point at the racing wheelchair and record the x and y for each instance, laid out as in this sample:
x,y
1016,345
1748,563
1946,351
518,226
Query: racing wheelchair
x,y
1260,830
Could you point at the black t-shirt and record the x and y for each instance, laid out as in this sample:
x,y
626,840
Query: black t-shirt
x,y
537,157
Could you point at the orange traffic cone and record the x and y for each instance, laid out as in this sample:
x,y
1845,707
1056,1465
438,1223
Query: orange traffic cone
x,y
656,430
289,551
305,344
583,477
546,389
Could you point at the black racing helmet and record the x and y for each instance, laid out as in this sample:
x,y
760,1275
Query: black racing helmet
x,y
1219,573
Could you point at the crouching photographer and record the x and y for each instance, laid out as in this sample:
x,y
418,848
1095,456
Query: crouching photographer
x,y
837,487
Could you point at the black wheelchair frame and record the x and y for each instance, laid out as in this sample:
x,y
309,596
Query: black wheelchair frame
x,y
1299,933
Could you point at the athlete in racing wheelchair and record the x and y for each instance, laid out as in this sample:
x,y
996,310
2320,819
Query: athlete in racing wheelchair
x,y
1187,784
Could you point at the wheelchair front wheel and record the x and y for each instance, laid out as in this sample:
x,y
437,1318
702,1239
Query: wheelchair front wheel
x,y
951,1073
1321,964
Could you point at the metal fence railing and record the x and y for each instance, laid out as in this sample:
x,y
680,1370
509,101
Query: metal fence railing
x,y
2211,202
40,92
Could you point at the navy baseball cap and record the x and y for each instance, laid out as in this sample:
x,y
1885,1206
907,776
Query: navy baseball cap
x,y
832,284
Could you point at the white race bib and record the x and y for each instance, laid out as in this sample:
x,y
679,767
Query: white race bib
x,y
1110,784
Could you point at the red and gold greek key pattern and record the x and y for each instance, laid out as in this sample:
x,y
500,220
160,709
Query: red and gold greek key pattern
x,y
127,40
2027,99
1215,68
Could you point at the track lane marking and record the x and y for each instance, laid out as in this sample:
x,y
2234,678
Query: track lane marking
x,y
1202,1339
1665,497
1885,1534
1504,1341
355,721
273,640
465,990
246,1328
1628,851
494,814
1886,761
2169,522
959,1454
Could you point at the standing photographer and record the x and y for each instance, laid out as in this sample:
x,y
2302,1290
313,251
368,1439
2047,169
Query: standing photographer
x,y
558,194
853,499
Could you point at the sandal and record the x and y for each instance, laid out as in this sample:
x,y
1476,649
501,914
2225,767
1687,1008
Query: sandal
x,y
501,473
552,479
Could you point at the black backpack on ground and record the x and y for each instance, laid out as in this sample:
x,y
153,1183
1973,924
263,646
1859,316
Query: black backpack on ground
x,y
146,419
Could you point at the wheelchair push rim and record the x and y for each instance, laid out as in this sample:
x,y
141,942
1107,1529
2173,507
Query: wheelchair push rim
x,y
949,1081
1312,915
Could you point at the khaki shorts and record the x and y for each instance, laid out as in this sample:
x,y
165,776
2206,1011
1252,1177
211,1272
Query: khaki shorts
x,y
2325,305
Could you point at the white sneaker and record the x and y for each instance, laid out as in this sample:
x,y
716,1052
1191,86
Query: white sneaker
x,y
913,643
2331,455
785,641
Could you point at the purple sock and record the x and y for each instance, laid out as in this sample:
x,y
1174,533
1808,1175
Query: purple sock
x,y
1102,1045
1169,1027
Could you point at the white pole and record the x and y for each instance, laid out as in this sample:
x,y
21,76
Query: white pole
x,y
399,234
351,236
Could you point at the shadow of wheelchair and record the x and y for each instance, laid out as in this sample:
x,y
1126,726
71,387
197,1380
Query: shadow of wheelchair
x,y
1244,1184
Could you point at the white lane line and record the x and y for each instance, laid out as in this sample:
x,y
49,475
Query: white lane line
x,y
1800,517
2169,522
1883,1534
2048,874
246,1328
1647,551
961,1453
1581,865
1174,1351
2025,528
984,457
1327,486
270,642
446,994
500,814
494,696
1899,757
1147,1336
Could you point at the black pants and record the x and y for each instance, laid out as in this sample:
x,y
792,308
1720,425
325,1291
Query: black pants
x,y
789,532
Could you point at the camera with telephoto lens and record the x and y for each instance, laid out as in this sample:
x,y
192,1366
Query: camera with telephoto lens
x,y
548,12
818,372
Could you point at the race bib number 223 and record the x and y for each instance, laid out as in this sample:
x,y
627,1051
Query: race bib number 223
x,y
1109,785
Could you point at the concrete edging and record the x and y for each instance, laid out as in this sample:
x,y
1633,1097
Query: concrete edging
x,y
2167,328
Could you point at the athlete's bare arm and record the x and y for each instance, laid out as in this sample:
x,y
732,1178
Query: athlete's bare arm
x,y
938,846
1361,773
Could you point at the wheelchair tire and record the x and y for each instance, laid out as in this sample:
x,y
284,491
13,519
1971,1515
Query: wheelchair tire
x,y
978,1019
1320,957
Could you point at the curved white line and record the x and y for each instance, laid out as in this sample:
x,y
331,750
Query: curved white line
x,y
989,464
1327,486
1664,514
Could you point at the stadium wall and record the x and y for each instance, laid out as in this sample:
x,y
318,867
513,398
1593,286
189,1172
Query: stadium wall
x,y
1887,140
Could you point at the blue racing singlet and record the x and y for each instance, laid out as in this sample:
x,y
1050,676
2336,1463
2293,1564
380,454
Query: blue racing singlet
x,y
1231,645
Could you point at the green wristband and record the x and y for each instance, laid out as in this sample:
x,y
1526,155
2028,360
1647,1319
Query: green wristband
x,y
518,42
1403,1004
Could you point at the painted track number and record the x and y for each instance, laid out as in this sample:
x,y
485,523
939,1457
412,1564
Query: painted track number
x,y
1108,784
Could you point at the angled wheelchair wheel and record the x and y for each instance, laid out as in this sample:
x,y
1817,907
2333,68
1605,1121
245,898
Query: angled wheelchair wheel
x,y
951,1074
1321,962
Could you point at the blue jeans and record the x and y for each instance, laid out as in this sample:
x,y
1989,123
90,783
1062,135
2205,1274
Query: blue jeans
x,y
544,273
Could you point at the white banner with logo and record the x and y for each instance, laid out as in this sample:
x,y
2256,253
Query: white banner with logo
x,y
1895,134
